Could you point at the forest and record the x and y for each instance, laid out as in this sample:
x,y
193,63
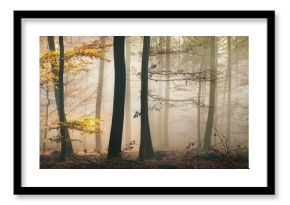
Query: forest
x,y
143,102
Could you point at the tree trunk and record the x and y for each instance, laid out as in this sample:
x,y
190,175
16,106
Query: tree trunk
x,y
98,136
46,118
216,95
203,93
160,91
85,113
209,124
69,147
146,149
200,92
229,91
224,102
61,100
51,46
115,141
236,64
167,89
128,93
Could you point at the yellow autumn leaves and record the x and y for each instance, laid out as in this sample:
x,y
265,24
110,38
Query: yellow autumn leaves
x,y
76,60
85,125
52,57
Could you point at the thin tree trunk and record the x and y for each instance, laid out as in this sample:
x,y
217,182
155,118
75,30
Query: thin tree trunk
x,y
160,91
46,118
51,46
209,124
85,113
216,95
203,101
146,149
199,103
167,89
236,78
69,148
61,100
128,93
229,91
115,141
194,105
98,136
224,102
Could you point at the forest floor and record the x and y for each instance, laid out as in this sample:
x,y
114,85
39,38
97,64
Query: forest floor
x,y
160,160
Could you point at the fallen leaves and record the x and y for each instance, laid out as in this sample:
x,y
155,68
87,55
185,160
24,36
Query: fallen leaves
x,y
161,160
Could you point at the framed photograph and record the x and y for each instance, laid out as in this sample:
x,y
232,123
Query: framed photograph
x,y
144,102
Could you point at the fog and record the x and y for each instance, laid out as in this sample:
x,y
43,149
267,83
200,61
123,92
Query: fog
x,y
188,92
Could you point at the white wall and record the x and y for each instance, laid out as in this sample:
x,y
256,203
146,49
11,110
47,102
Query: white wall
x,y
282,108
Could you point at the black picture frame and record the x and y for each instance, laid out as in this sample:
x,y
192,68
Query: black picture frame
x,y
268,190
